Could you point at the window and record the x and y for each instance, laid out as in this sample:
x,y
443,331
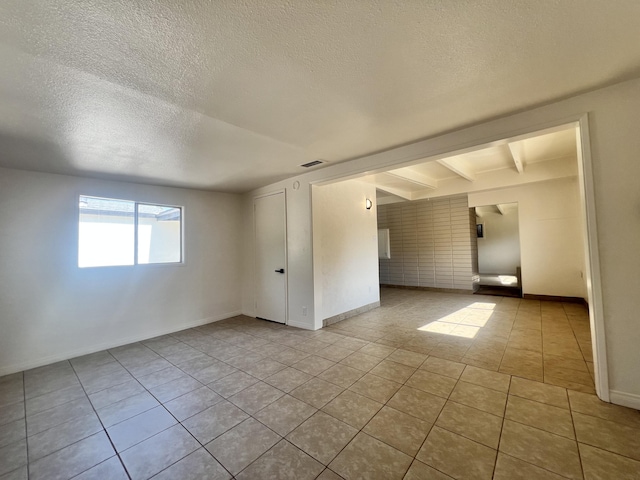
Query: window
x,y
122,232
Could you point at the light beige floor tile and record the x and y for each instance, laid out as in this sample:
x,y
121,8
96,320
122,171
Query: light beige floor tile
x,y
232,384
602,465
334,353
72,460
569,385
486,378
264,368
255,397
421,471
592,405
322,437
393,371
457,456
545,417
432,383
482,398
352,408
313,365
54,439
361,361
377,350
472,423
554,361
511,468
540,392
366,457
285,414
195,466
341,375
283,462
13,456
443,367
174,389
134,430
287,379
408,358
317,392
214,421
240,446
612,436
569,374
398,429
16,430
111,469
417,403
193,402
375,387
546,450
158,452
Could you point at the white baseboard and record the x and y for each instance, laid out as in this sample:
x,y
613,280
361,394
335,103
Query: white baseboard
x,y
19,367
630,400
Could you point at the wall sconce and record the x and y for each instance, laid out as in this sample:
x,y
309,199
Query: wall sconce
x,y
368,204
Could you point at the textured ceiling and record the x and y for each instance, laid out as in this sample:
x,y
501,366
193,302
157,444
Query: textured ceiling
x,y
231,95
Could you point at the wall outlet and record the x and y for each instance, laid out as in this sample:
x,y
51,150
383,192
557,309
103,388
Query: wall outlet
x,y
304,311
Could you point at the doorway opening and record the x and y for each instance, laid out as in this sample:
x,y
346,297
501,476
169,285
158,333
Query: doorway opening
x,y
498,243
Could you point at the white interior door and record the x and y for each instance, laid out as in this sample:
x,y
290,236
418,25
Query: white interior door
x,y
271,256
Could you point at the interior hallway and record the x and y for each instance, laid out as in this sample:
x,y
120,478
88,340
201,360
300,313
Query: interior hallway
x,y
430,385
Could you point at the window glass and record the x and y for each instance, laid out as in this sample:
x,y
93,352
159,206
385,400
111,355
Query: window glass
x,y
106,232
110,230
159,234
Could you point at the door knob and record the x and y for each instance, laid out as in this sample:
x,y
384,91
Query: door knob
x,y
281,270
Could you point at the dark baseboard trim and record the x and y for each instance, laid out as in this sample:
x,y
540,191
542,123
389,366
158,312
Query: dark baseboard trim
x,y
430,289
351,313
554,298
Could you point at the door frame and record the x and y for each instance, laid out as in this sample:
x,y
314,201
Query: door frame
x,y
286,253
495,133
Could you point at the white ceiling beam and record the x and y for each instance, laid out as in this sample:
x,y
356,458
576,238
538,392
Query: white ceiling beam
x,y
517,154
414,177
465,172
500,209
395,191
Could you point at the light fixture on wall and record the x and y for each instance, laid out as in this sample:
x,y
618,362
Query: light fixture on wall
x,y
368,204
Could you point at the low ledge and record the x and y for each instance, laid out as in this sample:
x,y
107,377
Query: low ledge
x,y
351,313
430,289
556,298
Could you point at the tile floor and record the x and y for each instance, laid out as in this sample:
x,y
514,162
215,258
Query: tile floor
x,y
429,386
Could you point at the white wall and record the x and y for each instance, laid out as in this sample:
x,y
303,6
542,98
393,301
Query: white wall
x,y
345,248
551,243
499,248
614,113
50,309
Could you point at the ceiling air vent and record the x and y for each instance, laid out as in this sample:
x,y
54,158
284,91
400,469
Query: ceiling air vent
x,y
312,164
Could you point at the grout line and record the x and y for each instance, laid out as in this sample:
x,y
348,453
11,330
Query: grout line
x,y
102,424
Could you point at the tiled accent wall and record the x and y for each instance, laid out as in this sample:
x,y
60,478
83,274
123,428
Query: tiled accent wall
x,y
432,243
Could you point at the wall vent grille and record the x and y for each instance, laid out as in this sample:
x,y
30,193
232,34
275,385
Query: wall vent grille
x,y
312,164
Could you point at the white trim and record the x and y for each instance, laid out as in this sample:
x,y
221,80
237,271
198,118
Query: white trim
x,y
19,367
495,133
592,259
630,400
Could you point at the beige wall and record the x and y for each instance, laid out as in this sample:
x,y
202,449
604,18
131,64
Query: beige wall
x,y
614,114
345,248
51,310
551,243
